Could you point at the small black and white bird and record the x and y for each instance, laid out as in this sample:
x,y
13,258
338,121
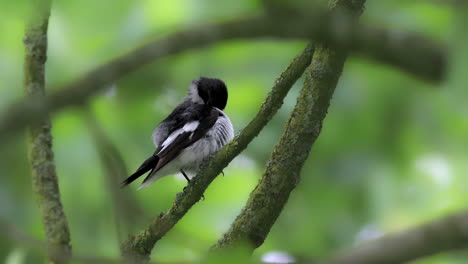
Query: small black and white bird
x,y
196,129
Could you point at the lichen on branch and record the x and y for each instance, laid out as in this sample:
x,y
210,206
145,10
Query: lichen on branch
x,y
138,248
282,173
44,177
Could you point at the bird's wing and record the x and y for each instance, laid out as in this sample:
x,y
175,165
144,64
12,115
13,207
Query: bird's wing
x,y
183,138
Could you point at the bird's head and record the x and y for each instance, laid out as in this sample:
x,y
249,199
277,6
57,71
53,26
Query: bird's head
x,y
209,91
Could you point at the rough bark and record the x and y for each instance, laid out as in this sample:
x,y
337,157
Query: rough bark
x,y
41,156
138,248
408,51
283,169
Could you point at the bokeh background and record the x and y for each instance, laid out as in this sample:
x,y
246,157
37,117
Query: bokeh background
x,y
391,155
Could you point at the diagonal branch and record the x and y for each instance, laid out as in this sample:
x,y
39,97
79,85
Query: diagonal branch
x,y
283,169
138,248
282,172
408,51
444,234
125,208
41,156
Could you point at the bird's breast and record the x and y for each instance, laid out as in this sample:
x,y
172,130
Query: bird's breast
x,y
217,136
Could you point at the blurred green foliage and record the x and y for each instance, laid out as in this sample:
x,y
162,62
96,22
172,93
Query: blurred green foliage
x,y
392,152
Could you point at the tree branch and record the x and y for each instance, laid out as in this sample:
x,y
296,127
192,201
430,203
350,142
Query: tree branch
x,y
138,248
125,208
410,52
448,233
40,148
13,233
283,169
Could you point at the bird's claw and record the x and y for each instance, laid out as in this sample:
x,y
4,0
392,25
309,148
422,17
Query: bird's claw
x,y
222,172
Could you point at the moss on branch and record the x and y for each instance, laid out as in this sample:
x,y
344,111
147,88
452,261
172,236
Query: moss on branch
x,y
41,156
282,172
138,248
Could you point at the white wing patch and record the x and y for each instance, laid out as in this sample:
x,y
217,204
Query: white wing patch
x,y
189,127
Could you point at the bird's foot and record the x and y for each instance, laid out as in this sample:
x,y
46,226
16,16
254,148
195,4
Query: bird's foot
x,y
222,172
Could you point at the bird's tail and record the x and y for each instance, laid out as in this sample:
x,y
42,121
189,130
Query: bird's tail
x,y
149,164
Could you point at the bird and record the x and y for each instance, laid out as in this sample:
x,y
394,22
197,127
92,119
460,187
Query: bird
x,y
195,130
